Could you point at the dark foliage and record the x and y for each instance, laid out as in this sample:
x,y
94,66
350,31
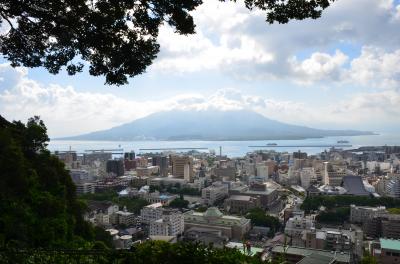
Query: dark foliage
x,y
148,253
179,203
313,203
118,39
132,204
259,218
334,216
38,207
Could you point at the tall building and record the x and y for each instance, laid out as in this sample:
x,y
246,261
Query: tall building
x,y
102,157
299,155
130,155
162,163
333,175
116,167
361,214
262,171
182,167
307,175
214,193
151,213
171,223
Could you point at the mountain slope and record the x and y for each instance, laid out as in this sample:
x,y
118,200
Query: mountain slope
x,y
210,125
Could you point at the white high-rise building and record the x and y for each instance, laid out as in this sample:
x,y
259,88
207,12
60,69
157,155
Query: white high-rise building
x,y
171,223
262,171
216,192
306,176
151,213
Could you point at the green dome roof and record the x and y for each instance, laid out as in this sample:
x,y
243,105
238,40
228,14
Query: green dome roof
x,y
213,212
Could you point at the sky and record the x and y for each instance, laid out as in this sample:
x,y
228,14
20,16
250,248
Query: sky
x,y
341,71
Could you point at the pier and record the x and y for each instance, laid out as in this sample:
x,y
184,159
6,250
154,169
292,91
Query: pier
x,y
302,146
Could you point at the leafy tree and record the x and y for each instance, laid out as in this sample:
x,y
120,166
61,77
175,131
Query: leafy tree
x,y
100,196
117,39
132,204
312,203
148,252
38,204
337,215
259,218
103,237
394,210
368,259
179,203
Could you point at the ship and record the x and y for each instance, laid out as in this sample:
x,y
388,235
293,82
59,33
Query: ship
x,y
343,142
272,144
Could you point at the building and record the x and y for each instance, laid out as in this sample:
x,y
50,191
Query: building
x,y
267,192
262,171
79,175
151,213
129,155
214,193
308,255
147,171
299,155
99,213
123,218
295,229
115,167
171,223
230,226
206,236
333,175
162,163
129,165
241,204
85,187
354,185
166,181
338,240
139,182
390,251
383,225
156,197
99,157
225,173
307,176
182,167
361,214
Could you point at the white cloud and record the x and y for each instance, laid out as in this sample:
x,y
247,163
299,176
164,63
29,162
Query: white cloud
x,y
69,112
376,68
320,66
233,40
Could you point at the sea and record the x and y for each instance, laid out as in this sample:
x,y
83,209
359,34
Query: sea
x,y
230,148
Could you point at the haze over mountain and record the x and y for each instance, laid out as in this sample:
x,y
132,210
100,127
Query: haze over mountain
x,y
210,125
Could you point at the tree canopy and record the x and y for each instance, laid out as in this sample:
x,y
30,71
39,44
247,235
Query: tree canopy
x,y
259,218
116,39
147,253
37,196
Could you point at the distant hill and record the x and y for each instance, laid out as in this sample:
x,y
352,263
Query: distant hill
x,y
210,125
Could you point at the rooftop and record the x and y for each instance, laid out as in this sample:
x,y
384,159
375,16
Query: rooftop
x,y
239,246
343,257
154,205
392,244
240,197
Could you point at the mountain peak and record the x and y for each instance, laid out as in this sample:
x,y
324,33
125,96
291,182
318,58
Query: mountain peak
x,y
210,125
